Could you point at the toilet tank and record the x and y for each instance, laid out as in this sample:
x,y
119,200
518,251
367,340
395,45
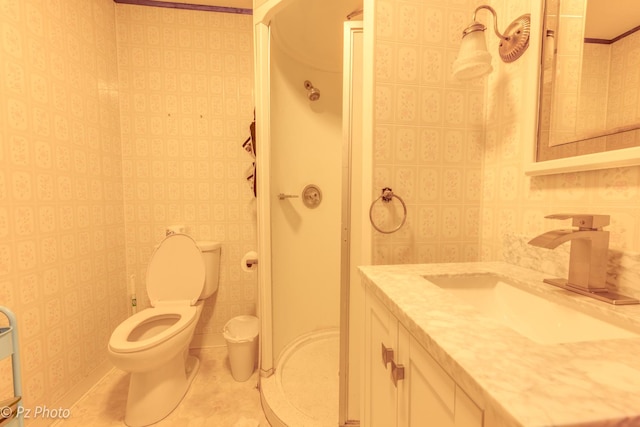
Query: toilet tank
x,y
211,256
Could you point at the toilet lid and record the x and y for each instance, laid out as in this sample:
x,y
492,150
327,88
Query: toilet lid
x,y
176,270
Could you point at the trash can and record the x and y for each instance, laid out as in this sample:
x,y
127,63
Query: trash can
x,y
241,334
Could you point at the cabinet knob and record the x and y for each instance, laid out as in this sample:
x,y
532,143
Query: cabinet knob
x,y
397,373
387,355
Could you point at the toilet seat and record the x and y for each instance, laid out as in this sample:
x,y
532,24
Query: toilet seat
x,y
120,343
175,278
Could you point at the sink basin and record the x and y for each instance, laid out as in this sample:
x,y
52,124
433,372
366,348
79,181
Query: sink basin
x,y
530,315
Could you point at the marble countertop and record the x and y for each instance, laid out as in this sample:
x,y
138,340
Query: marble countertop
x,y
517,381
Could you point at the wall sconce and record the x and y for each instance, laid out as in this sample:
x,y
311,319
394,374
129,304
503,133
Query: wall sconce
x,y
474,60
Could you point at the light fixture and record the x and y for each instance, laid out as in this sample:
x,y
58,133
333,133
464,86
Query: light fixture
x,y
474,60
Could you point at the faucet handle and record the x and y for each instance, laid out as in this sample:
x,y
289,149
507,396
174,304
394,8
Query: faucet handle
x,y
593,222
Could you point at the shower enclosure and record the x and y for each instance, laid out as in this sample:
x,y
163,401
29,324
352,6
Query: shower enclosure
x,y
309,127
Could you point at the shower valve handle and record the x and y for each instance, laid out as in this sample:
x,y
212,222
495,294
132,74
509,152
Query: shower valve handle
x,y
283,196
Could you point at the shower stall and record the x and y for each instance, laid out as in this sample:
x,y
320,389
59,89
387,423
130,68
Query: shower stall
x,y
309,116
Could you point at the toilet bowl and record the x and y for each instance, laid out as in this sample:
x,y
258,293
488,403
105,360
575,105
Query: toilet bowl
x,y
153,344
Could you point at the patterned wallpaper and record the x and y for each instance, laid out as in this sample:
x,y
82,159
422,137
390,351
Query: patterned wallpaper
x,y
623,106
62,263
514,205
115,121
186,80
80,210
592,102
427,134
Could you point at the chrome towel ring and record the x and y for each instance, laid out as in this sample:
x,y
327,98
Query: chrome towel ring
x,y
386,197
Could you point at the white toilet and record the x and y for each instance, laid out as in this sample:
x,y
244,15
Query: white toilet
x,y
153,344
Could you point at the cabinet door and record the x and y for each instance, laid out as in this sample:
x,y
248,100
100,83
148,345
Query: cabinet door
x,y
468,414
380,395
426,396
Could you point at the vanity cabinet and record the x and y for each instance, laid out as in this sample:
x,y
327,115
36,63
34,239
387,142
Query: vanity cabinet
x,y
403,385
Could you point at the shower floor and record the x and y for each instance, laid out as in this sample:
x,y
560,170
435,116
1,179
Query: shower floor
x,y
304,389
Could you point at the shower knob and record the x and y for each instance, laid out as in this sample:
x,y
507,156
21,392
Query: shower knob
x,y
311,196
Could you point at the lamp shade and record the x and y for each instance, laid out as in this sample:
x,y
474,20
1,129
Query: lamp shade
x,y
473,60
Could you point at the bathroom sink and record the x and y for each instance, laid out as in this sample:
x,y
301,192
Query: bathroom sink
x,y
532,316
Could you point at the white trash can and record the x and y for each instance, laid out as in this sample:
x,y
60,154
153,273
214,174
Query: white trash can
x,y
241,334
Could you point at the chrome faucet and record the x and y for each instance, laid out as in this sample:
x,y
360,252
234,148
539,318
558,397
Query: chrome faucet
x,y
588,256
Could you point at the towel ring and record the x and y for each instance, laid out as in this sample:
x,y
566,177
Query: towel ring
x,y
386,196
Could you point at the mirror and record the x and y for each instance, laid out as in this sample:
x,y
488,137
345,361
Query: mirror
x,y
589,95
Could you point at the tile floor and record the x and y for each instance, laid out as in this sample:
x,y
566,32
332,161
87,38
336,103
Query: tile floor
x,y
214,399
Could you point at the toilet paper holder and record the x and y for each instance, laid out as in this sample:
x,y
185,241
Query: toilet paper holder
x,y
249,261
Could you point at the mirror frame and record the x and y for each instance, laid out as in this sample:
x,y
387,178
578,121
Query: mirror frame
x,y
623,157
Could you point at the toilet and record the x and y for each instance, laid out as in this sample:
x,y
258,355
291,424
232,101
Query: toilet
x,y
153,344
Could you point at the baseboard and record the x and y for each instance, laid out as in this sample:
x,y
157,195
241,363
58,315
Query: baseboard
x,y
208,340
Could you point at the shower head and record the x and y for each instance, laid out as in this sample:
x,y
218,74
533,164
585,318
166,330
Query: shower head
x,y
312,93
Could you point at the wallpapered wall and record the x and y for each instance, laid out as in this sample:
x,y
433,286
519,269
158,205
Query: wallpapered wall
x,y
186,80
69,189
427,134
512,205
62,243
115,121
